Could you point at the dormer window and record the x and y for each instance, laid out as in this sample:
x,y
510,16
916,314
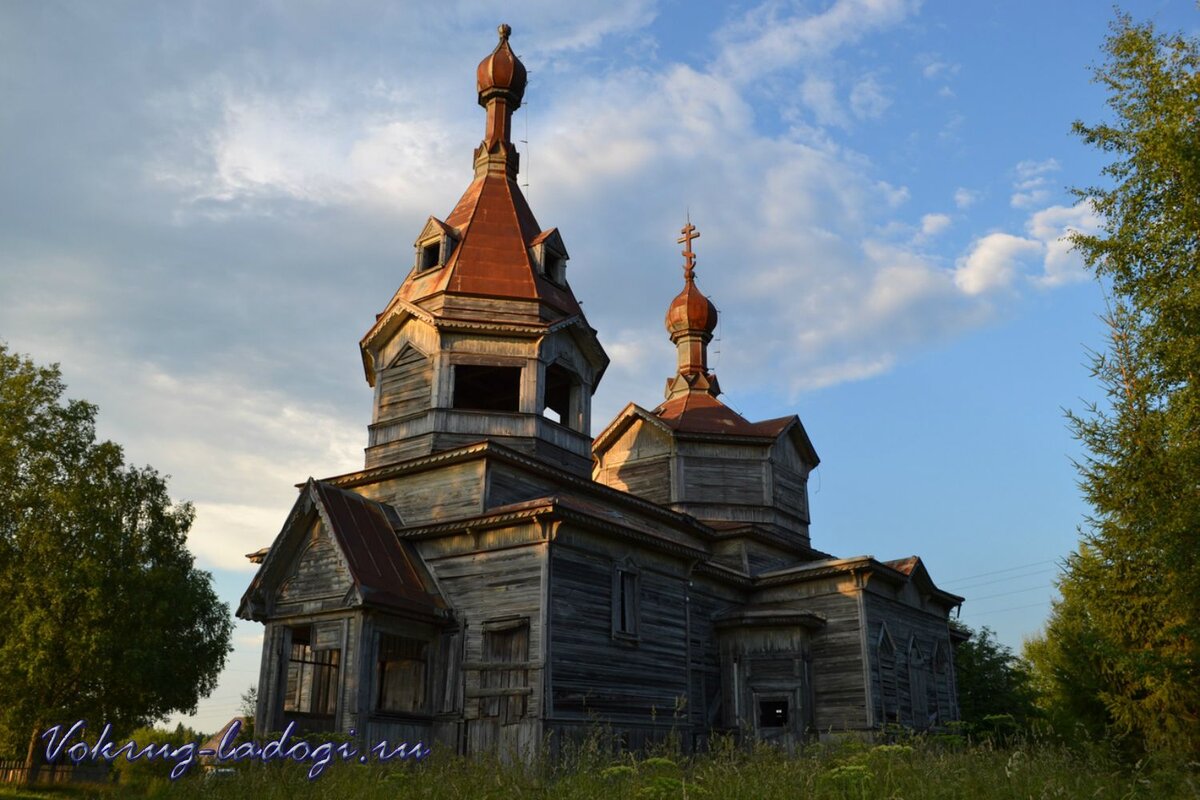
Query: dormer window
x,y
429,255
556,268
434,245
549,256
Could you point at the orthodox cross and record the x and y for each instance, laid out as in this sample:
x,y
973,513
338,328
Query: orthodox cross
x,y
689,233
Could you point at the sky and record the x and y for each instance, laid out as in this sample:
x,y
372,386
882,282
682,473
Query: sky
x,y
204,204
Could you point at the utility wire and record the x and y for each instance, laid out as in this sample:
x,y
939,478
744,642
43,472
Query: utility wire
x,y
973,584
1014,591
998,571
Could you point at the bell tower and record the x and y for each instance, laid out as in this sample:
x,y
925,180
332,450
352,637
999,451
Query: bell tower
x,y
484,339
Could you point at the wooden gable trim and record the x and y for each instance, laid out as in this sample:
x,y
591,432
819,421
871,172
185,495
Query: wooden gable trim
x,y
396,312
285,552
621,423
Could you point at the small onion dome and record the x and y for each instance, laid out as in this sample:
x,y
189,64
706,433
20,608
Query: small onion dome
x,y
691,311
501,71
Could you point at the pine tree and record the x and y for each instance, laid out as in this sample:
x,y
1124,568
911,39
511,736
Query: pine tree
x,y
1125,637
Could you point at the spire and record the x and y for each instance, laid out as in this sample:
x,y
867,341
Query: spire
x,y
691,320
500,80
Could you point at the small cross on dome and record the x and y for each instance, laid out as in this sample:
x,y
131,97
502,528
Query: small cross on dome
x,y
689,233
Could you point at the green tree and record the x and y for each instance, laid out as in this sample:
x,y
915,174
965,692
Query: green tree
x,y
1126,634
103,615
991,680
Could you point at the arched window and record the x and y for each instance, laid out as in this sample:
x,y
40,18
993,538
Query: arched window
x,y
887,708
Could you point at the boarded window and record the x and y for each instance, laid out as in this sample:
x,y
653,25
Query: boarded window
x,y
918,683
312,677
888,709
403,666
626,602
484,388
504,677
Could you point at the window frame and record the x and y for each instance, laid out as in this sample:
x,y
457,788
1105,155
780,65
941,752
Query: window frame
x,y
626,602
323,670
425,649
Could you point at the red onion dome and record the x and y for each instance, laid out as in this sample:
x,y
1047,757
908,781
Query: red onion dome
x,y
501,71
691,311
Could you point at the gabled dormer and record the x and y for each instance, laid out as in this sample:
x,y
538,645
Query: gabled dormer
x,y
434,245
549,256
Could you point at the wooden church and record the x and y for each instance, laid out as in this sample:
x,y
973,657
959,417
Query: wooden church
x,y
495,577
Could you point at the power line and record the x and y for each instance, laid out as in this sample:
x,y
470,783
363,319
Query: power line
x,y
1007,578
992,611
1014,591
998,571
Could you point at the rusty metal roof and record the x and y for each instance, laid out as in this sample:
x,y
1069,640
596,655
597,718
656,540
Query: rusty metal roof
x,y
700,412
493,223
496,228
905,565
385,569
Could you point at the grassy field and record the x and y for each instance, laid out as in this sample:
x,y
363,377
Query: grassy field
x,y
850,770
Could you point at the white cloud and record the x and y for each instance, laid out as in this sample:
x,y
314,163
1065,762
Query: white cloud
x,y
965,198
765,40
1051,226
867,99
994,262
1029,168
821,97
933,67
1031,184
933,224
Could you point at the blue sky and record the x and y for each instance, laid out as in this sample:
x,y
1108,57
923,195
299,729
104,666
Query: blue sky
x,y
203,205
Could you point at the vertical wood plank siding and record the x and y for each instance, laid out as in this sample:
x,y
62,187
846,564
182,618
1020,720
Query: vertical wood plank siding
x,y
894,677
595,673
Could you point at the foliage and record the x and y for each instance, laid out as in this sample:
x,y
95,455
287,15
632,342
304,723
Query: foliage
x,y
1125,636
991,681
921,769
144,771
105,617
247,708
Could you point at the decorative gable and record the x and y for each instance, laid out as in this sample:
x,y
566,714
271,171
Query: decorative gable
x,y
339,549
319,572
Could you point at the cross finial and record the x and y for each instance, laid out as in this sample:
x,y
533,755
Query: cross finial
x,y
689,233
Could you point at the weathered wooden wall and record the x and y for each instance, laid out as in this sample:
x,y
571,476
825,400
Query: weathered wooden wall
x,y
631,682
638,462
894,678
839,677
495,578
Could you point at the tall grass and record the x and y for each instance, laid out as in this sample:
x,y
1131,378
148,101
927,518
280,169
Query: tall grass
x,y
850,770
